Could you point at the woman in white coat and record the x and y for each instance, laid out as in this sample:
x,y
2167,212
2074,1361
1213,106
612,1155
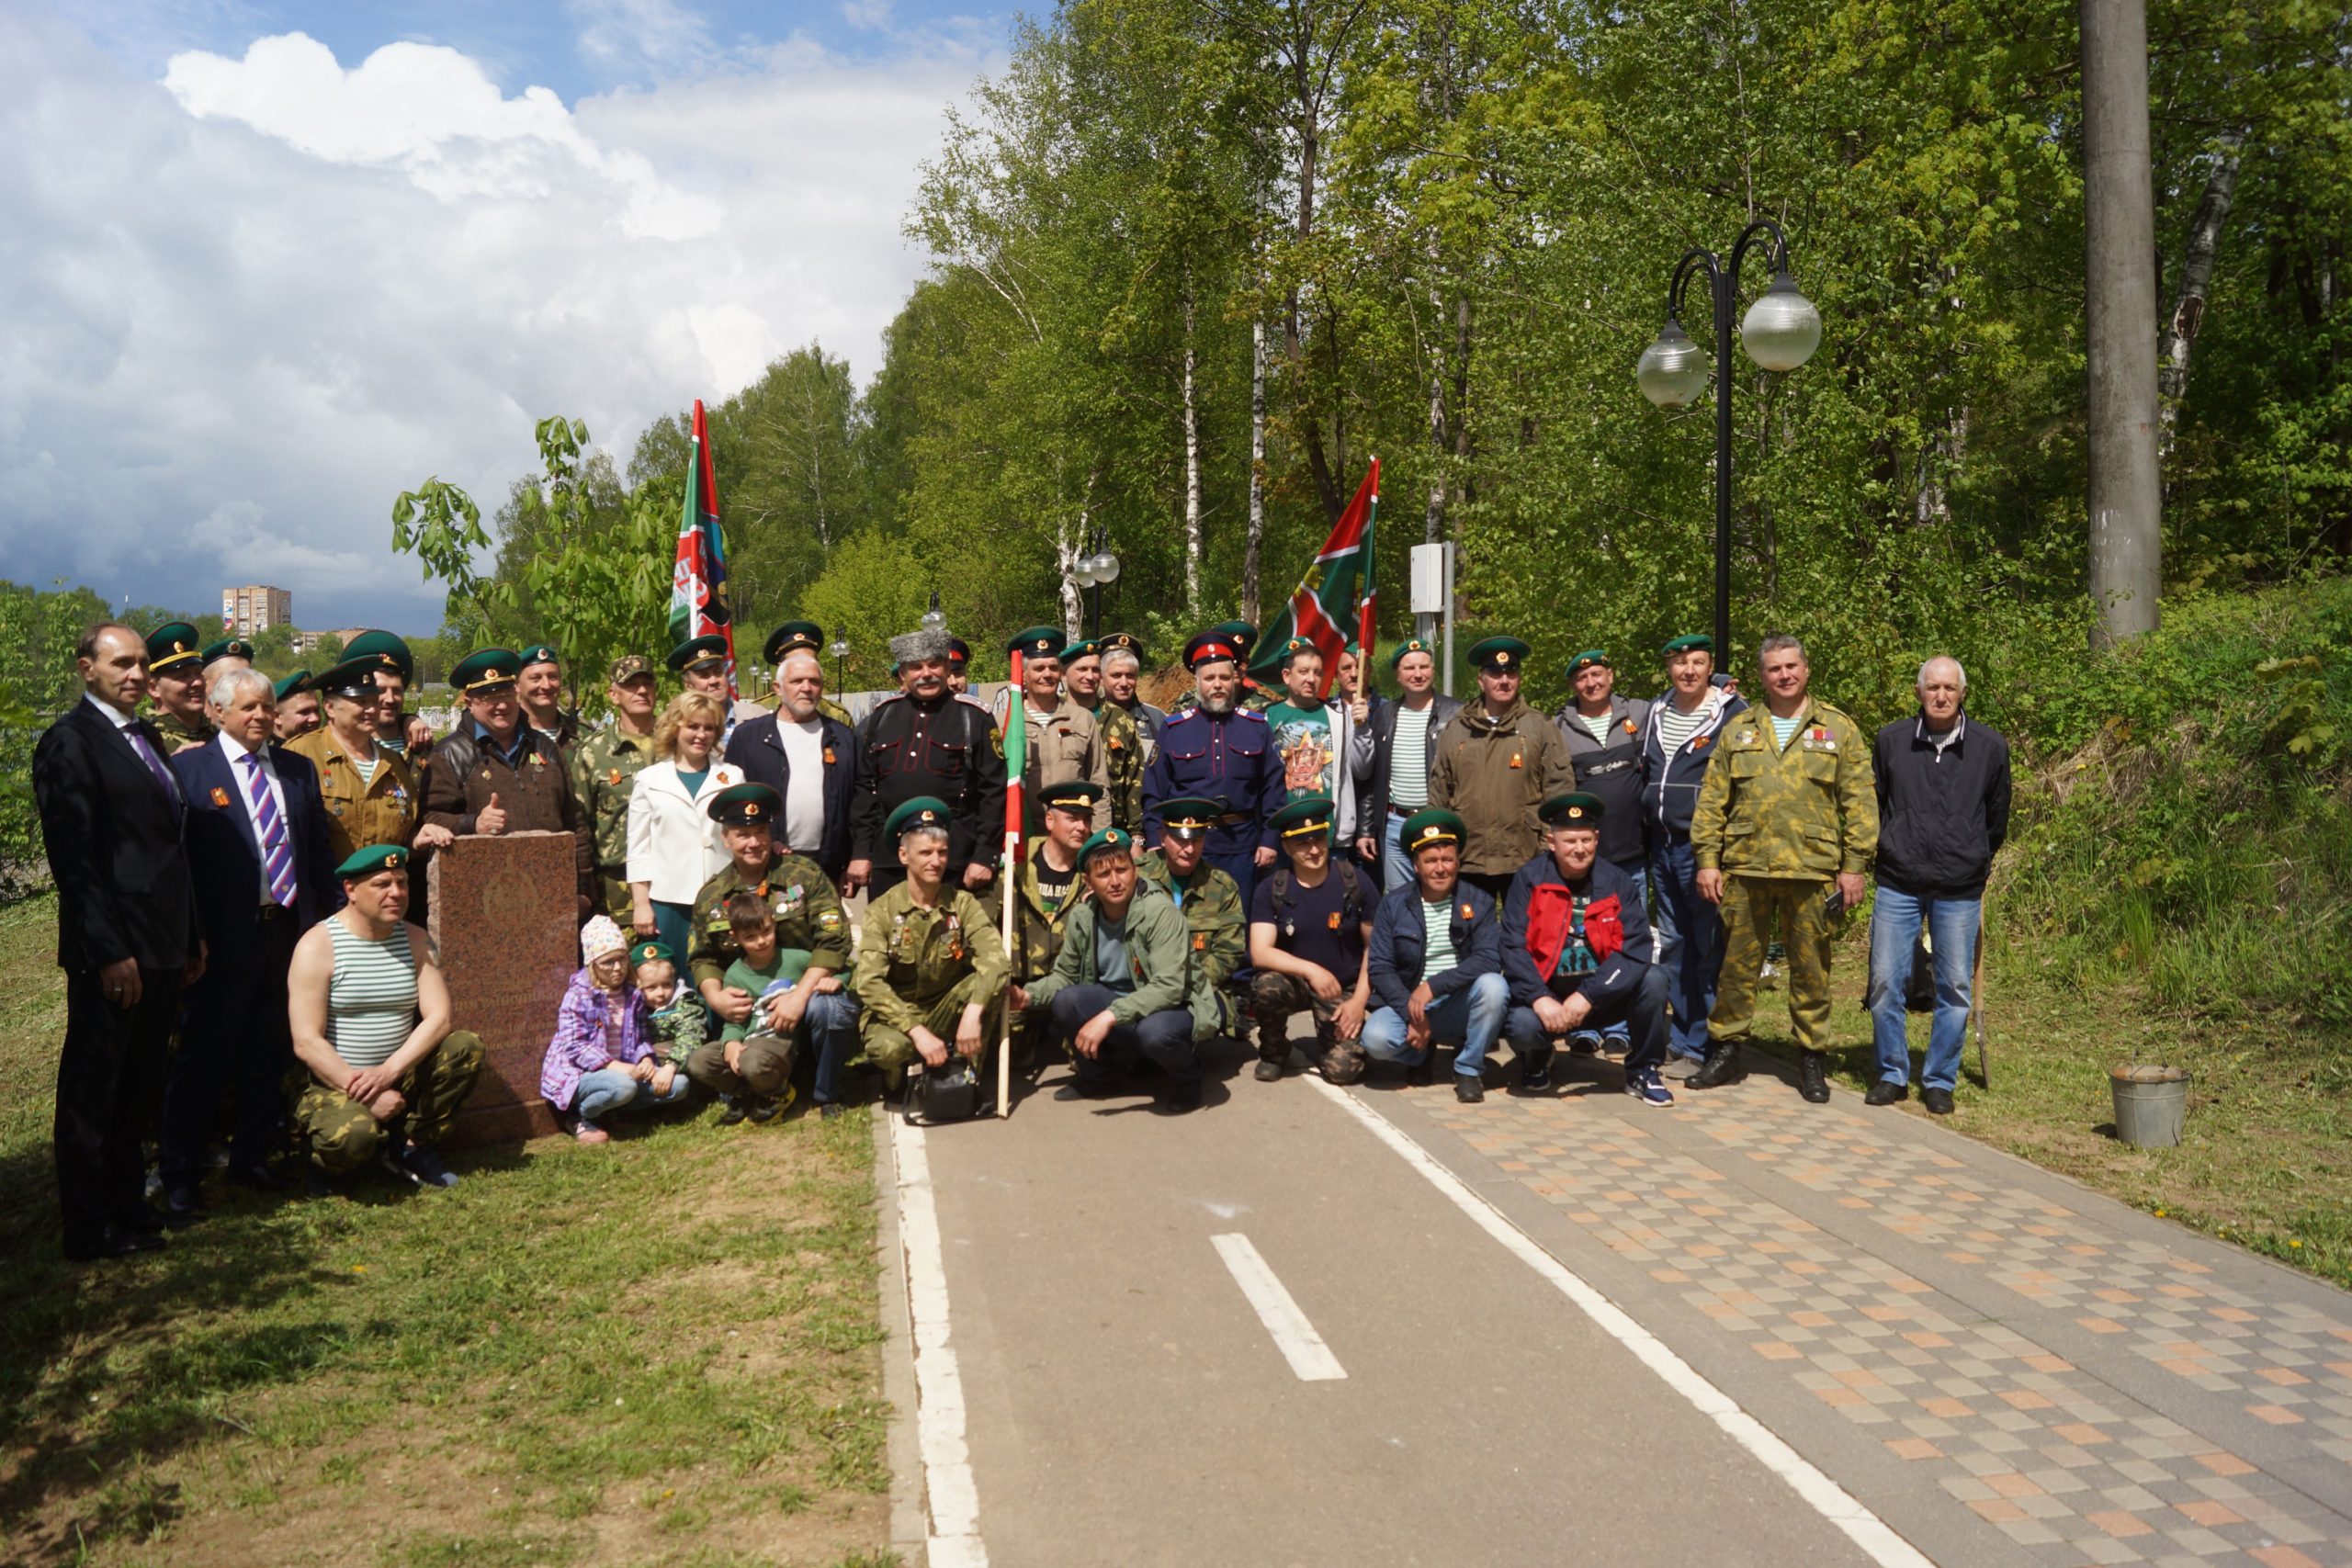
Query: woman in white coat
x,y
674,846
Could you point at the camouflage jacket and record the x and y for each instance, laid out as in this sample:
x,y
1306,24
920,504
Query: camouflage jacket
x,y
179,735
910,957
1125,750
1213,914
603,766
808,912
1037,935
1808,810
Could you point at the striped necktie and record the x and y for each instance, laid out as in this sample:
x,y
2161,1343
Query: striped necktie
x,y
276,854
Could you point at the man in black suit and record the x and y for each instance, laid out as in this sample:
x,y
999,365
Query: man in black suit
x,y
128,938
800,733
256,836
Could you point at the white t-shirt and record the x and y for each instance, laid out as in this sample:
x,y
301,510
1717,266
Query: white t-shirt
x,y
804,785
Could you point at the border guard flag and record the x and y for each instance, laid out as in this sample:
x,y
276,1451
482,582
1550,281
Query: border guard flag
x,y
1337,601
698,580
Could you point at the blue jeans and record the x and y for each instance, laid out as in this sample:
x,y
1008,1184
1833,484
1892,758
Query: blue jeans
x,y
607,1089
1896,920
1470,1018
830,1025
1395,865
1690,946
1164,1037
1642,1009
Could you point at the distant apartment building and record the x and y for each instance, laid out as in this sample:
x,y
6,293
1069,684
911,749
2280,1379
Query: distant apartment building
x,y
249,610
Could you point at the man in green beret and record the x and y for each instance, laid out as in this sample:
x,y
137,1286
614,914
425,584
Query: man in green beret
x,y
298,705
701,663
1124,988
1122,674
1496,764
1786,824
1603,729
1063,742
931,968
808,638
1047,885
1435,963
227,653
1124,751
1211,903
372,794
1403,743
176,682
497,774
538,686
1310,927
808,916
604,769
386,1073
399,731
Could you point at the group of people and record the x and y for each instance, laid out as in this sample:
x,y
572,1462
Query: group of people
x,y
236,869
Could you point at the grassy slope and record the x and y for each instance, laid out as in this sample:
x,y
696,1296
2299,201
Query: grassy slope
x,y
665,1351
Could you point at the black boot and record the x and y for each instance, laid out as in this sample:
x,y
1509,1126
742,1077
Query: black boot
x,y
1813,1077
1535,1070
1722,1066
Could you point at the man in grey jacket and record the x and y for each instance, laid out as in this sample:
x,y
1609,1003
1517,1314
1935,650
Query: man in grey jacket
x,y
1604,731
1402,735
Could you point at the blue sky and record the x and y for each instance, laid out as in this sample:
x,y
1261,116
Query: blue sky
x,y
271,264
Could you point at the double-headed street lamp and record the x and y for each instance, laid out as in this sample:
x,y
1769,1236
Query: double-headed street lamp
x,y
840,653
1094,570
1781,332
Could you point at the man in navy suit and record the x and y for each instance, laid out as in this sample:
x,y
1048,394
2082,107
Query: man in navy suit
x,y
258,848
128,937
809,757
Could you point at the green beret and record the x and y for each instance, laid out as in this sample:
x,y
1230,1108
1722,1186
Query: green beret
x,y
746,806
227,647
353,678
1037,642
1075,794
298,681
1127,641
372,859
538,653
651,952
1499,655
1688,642
1240,632
386,649
1307,813
1108,838
792,635
923,811
1410,644
172,644
1587,659
1574,809
697,650
1189,817
483,668
1423,829
1078,650
1298,646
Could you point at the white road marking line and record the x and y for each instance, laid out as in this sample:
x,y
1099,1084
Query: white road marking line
x,y
1831,1501
1293,1336
954,1539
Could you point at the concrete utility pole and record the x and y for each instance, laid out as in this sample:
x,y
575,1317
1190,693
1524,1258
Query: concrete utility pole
x,y
2119,292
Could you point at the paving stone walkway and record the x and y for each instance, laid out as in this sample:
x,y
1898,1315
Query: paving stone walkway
x,y
2003,1364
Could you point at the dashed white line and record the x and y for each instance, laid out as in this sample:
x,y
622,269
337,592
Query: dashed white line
x,y
954,1503
1833,1502
1293,1336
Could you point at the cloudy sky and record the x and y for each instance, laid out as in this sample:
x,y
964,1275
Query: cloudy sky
x,y
266,266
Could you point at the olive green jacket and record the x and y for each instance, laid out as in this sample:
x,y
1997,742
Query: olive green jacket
x,y
1213,913
1159,956
909,958
1124,755
808,911
1494,772
1039,921
1810,811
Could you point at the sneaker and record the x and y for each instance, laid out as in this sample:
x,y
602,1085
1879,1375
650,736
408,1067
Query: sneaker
x,y
1885,1093
589,1132
731,1112
765,1111
1813,1077
1648,1088
1937,1101
1535,1071
425,1167
1584,1045
1469,1087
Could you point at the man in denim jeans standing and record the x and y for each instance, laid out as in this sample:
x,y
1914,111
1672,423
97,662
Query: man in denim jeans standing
x,y
1943,806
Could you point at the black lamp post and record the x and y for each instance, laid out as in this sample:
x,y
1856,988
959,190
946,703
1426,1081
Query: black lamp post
x,y
1093,570
1779,332
840,653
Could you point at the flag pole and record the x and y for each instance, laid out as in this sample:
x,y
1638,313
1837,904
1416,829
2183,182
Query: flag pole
x,y
1016,763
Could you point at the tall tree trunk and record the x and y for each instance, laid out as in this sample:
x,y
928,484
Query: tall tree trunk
x,y
1070,544
1307,94
1255,546
1193,543
1461,408
2178,335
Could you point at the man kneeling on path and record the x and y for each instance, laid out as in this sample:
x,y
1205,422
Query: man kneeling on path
x,y
1310,926
931,968
1126,987
371,1017
1577,949
1210,902
1046,887
1436,961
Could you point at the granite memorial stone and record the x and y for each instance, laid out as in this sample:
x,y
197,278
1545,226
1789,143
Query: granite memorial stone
x,y
505,918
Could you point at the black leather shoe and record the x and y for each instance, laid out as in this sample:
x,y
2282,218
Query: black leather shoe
x,y
1813,1077
1721,1066
1079,1088
1268,1072
256,1178
1180,1099
111,1241
1885,1093
183,1206
1418,1075
1535,1070
1937,1101
1469,1088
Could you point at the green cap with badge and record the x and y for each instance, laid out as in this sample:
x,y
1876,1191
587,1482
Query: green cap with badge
x,y
1070,795
172,645
1085,648
1499,655
699,650
298,681
227,647
923,811
1241,632
746,806
1424,830
1587,659
354,678
790,635
1307,813
369,861
386,649
485,670
651,952
1410,644
539,653
1188,816
1117,839
1690,642
1037,642
1574,809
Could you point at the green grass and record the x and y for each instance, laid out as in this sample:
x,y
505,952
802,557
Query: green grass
x,y
662,1350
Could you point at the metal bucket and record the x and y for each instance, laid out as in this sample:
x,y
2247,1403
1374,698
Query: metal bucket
x,y
2150,1104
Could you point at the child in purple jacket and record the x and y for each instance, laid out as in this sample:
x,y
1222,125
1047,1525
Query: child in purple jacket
x,y
601,1058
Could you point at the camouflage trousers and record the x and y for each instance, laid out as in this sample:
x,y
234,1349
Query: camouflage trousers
x,y
893,1050
1273,997
1752,906
344,1136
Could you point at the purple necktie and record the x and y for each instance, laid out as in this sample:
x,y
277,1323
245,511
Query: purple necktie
x,y
154,763
276,854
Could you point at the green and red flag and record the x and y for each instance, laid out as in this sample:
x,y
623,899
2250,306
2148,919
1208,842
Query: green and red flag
x,y
1016,765
698,576
1337,601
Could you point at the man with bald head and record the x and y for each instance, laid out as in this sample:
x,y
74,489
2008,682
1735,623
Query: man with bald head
x,y
1943,811
806,755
